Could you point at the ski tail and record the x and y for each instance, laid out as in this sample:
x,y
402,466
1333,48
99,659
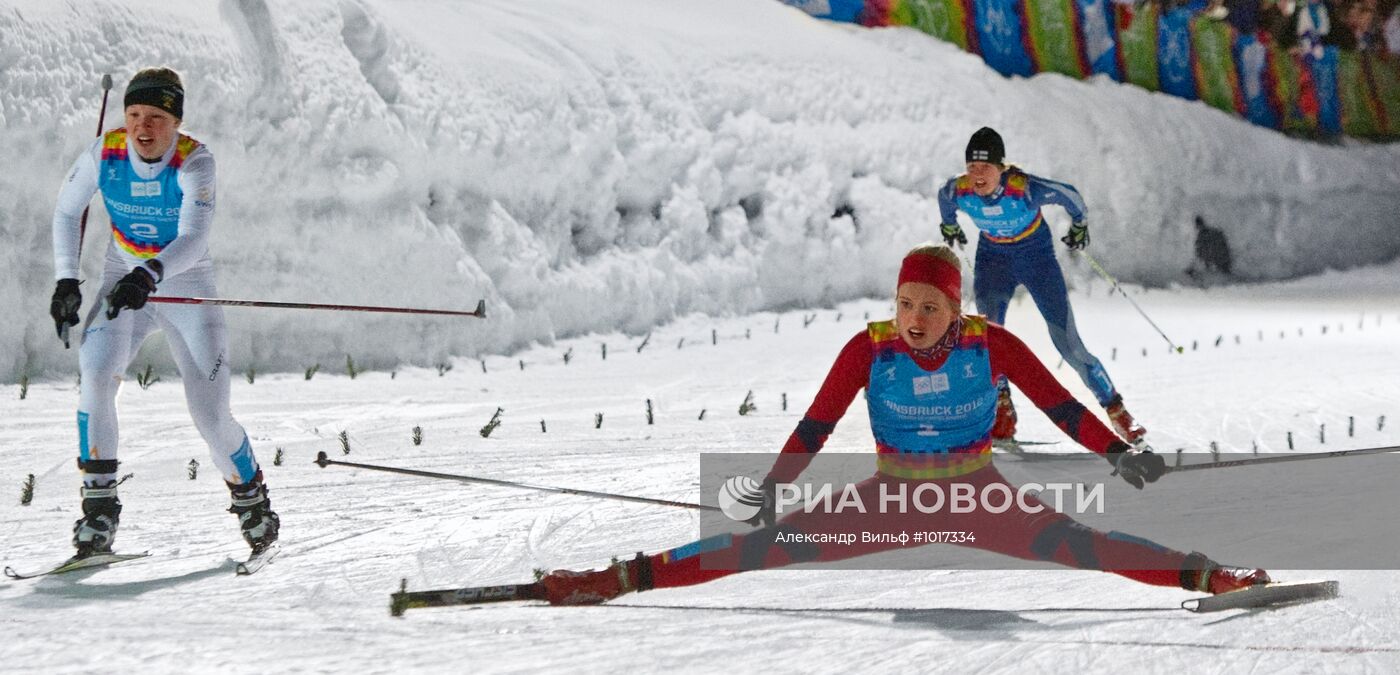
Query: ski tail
x,y
75,563
405,600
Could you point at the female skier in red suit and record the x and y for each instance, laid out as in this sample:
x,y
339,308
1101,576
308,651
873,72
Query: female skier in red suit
x,y
931,386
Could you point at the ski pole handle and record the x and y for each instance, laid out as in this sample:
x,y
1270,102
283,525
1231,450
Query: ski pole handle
x,y
101,116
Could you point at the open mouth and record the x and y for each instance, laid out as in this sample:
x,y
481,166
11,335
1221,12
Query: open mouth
x,y
916,334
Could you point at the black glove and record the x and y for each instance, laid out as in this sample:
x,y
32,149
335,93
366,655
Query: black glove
x,y
953,234
64,308
1078,237
1134,465
767,514
130,291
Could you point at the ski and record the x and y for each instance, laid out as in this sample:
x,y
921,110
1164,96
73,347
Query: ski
x,y
473,595
1013,444
1266,595
258,560
75,563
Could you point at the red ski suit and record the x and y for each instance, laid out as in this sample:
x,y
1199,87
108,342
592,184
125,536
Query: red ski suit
x,y
1047,535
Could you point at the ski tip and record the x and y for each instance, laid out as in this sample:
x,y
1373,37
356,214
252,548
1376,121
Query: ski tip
x,y
1266,595
1331,589
480,308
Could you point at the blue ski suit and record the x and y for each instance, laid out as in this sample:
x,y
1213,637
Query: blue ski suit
x,y
1016,248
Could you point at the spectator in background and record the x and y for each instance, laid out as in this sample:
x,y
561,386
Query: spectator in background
x,y
1362,25
1212,249
1276,19
1243,15
1313,23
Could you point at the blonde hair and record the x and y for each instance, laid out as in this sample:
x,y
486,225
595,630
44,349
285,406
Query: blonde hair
x,y
939,251
160,74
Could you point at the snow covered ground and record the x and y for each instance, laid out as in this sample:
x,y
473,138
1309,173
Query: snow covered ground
x,y
352,534
588,167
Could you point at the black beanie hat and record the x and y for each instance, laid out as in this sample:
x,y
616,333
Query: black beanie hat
x,y
157,87
985,146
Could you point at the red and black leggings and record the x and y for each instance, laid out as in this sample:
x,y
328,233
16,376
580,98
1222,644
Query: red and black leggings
x,y
1047,535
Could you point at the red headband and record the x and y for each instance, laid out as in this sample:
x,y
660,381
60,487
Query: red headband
x,y
926,269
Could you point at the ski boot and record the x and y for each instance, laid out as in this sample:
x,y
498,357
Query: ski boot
x,y
1200,573
1004,429
255,516
593,587
94,532
1123,422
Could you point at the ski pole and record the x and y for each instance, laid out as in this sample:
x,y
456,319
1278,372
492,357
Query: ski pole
x,y
479,312
106,87
82,222
1104,273
1224,464
323,461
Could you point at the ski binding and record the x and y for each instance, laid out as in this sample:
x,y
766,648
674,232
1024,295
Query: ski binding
x,y
258,560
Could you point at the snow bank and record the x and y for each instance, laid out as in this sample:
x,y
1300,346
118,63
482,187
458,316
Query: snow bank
x,y
612,165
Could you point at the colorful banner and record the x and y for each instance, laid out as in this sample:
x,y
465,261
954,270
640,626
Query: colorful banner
x,y
1174,66
1181,53
1324,77
845,11
1000,33
1359,114
1258,89
1385,75
1053,27
1099,38
947,20
1217,82
1297,111
1137,43
876,13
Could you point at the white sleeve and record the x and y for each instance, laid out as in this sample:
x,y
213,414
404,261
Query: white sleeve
x,y
191,242
73,197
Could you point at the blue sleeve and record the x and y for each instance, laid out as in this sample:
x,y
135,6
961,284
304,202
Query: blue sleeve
x,y
946,205
1043,192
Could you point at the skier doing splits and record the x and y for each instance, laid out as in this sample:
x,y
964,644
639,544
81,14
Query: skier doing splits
x,y
158,188
1016,248
965,356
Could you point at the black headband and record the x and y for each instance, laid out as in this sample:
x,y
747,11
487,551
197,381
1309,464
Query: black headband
x,y
162,94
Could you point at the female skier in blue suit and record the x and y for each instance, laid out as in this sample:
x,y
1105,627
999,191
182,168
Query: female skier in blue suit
x,y
1016,248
